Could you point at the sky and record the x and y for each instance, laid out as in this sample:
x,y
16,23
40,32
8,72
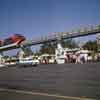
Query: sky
x,y
34,18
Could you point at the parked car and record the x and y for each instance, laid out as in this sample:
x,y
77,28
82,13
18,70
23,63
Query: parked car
x,y
28,61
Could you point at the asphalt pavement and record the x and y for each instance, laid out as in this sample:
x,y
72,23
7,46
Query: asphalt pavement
x,y
72,80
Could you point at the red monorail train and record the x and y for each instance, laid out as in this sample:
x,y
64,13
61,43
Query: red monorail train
x,y
13,39
1,42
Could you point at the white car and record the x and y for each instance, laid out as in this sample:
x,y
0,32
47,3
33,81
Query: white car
x,y
36,61
28,61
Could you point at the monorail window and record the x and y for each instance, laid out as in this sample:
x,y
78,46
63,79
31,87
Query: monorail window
x,y
8,41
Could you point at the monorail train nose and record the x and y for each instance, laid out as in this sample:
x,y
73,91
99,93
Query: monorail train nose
x,y
13,39
18,38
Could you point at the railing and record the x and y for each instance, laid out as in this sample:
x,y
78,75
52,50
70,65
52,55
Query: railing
x,y
79,32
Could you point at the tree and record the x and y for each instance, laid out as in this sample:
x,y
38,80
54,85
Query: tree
x,y
69,43
90,45
49,47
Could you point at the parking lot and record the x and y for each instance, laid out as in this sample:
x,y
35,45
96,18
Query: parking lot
x,y
72,80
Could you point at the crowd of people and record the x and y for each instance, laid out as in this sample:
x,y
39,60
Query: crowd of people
x,y
81,58
76,58
73,57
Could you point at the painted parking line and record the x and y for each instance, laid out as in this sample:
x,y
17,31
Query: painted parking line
x,y
44,94
1,66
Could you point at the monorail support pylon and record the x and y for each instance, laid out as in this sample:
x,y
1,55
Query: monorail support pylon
x,y
25,51
1,58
